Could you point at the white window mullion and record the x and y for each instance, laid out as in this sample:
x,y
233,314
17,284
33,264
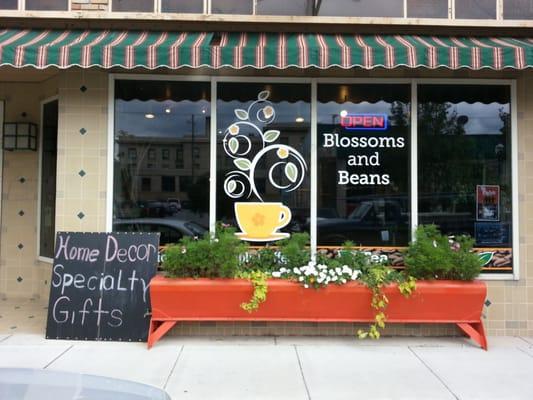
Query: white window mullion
x,y
499,9
405,8
414,156
451,9
313,184
213,159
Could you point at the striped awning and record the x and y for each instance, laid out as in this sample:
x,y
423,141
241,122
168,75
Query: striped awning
x,y
151,49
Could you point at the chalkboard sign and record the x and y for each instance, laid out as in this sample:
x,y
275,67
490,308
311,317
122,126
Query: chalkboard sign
x,y
99,286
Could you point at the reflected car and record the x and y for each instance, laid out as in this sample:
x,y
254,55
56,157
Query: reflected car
x,y
372,222
171,230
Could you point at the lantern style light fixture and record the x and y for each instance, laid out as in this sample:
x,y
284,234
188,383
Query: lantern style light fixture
x,y
20,136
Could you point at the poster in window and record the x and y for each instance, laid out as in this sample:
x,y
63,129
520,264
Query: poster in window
x,y
488,203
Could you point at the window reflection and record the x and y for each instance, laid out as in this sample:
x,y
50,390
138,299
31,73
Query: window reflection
x,y
161,156
232,6
284,7
464,159
363,164
362,8
427,8
47,5
518,9
475,9
8,4
133,5
182,6
263,159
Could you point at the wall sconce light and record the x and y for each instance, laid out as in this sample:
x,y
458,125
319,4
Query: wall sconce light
x,y
20,136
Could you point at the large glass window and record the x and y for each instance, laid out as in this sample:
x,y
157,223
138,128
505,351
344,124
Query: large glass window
x,y
183,6
475,9
363,164
48,179
427,8
8,4
157,126
232,6
47,5
133,5
263,158
361,8
518,9
464,161
284,7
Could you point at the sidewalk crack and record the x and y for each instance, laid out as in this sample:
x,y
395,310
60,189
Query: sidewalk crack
x,y
4,339
302,372
60,355
173,367
434,373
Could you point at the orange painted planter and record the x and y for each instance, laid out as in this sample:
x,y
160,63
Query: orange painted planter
x,y
174,300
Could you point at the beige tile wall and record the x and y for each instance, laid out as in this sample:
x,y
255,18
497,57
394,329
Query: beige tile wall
x,y
20,272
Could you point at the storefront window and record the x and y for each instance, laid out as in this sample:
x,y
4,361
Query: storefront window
x,y
133,5
363,164
8,4
182,6
427,8
263,156
47,5
362,8
284,7
161,142
232,7
464,161
475,9
518,9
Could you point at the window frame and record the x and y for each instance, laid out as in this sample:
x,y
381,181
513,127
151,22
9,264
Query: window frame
x,y
39,179
314,82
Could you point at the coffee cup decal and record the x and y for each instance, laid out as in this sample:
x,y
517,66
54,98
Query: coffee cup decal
x,y
260,221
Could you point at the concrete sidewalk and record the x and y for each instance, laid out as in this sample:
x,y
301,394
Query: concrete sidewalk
x,y
286,367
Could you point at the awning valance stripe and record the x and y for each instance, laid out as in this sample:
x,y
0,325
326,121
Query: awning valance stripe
x,y
151,49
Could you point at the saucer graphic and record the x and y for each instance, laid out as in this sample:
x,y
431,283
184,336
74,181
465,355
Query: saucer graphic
x,y
274,236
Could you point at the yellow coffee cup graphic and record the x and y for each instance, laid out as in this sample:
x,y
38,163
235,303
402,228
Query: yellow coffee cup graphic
x,y
259,222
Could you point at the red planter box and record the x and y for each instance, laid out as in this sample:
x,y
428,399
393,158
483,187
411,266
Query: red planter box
x,y
175,300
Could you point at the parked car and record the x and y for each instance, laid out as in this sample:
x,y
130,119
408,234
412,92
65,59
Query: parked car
x,y
39,384
171,230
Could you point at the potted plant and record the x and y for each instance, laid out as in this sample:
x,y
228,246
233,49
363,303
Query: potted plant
x,y
208,279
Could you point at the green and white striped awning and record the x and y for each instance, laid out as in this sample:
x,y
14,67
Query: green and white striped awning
x,y
151,49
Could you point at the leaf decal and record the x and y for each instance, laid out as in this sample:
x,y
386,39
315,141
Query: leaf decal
x,y
233,145
243,164
263,95
291,171
271,136
241,114
232,186
485,257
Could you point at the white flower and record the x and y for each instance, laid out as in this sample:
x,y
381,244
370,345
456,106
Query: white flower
x,y
276,274
301,278
306,286
283,269
434,243
343,280
338,271
216,240
334,279
346,270
355,275
296,271
183,251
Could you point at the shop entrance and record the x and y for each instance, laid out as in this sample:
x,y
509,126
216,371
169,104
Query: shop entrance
x,y
48,173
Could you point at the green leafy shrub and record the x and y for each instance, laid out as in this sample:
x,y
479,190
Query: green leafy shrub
x,y
436,256
294,250
207,257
